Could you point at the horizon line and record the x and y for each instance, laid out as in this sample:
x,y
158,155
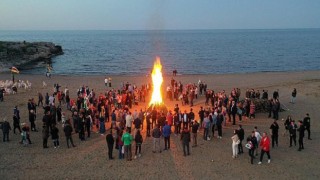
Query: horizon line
x,y
200,29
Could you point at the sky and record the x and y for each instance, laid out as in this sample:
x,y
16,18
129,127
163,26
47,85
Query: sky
x,y
158,14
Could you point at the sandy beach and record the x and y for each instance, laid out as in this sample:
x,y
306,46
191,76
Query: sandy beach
x,y
210,160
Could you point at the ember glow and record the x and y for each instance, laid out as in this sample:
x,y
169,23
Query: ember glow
x,y
157,79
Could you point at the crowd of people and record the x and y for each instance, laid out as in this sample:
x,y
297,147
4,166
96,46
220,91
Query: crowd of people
x,y
91,113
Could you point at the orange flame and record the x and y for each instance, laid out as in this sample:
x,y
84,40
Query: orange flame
x,y
157,79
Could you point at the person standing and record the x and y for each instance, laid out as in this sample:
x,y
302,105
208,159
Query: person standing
x,y
55,136
16,119
68,133
194,128
156,134
138,139
1,94
306,124
166,132
109,80
233,110
113,119
201,114
258,137
110,142
40,99
293,96
252,110
185,121
206,126
45,136
301,135
293,133
148,117
235,143
252,142
106,82
240,133
185,138
220,119
6,128
32,118
129,120
265,147
137,124
127,140
120,145
274,133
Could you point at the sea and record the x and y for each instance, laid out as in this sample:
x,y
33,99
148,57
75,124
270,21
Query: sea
x,y
188,51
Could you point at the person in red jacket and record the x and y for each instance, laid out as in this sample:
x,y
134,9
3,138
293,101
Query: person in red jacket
x,y
265,147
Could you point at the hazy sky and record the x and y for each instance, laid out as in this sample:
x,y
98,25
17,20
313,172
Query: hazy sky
x,y
157,14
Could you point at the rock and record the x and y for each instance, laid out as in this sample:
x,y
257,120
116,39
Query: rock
x,y
21,53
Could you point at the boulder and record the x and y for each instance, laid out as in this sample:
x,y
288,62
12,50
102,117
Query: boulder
x,y
21,53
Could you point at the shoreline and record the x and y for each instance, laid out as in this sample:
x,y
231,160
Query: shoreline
x,y
165,75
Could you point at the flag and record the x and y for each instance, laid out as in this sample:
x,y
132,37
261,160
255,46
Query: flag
x,y
14,70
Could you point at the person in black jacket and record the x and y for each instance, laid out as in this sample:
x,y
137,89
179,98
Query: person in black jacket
x,y
306,124
301,135
32,118
16,120
68,133
220,119
293,133
138,139
55,136
233,110
201,114
274,132
185,138
110,143
252,140
45,136
6,129
240,133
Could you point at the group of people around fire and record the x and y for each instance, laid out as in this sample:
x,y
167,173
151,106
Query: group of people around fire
x,y
91,112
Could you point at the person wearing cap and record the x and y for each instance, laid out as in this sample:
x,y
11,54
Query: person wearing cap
x,y
185,138
306,124
301,135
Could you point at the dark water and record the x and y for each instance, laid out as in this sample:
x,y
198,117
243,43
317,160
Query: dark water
x,y
190,52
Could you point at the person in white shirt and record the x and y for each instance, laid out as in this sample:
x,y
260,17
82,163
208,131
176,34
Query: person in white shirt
x,y
129,120
51,99
106,82
258,136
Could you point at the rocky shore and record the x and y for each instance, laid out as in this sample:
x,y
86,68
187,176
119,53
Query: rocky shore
x,y
24,54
